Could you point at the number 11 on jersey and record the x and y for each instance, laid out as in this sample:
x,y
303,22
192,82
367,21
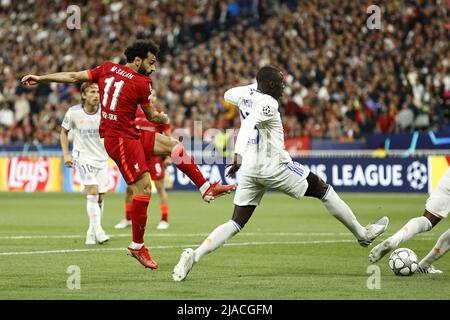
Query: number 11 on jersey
x,y
118,87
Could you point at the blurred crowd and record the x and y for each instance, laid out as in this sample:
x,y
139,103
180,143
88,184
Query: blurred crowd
x,y
344,80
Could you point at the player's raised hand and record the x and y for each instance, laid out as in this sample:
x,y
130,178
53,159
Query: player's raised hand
x,y
30,80
68,161
235,166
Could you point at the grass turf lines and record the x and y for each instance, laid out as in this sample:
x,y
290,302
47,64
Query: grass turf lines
x,y
289,250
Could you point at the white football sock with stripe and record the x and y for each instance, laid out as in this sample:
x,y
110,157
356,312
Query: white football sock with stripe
x,y
341,211
439,249
94,214
217,238
409,230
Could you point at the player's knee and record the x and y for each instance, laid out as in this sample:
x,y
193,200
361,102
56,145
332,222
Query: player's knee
x,y
434,220
241,215
317,188
92,190
147,190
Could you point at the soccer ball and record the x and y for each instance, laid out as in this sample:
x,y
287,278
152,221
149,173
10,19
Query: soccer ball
x,y
403,262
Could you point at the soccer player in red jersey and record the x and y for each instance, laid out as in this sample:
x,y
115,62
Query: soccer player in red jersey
x,y
122,89
156,166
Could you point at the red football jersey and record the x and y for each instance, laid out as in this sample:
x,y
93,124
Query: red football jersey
x,y
122,90
142,123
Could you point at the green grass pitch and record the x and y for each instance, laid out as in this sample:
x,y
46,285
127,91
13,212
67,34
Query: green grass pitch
x,y
289,250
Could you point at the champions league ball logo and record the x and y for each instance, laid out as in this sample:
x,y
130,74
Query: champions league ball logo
x,y
417,175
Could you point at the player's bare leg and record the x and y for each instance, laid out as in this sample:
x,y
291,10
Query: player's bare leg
x,y
126,222
215,240
95,233
441,247
166,146
163,204
141,192
341,211
414,226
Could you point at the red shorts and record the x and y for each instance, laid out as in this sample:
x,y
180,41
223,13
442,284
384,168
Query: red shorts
x,y
129,156
155,164
156,167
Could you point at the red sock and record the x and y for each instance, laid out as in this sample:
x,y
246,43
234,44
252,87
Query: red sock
x,y
164,211
139,217
186,164
128,211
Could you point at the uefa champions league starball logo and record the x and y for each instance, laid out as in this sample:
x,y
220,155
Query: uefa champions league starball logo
x,y
417,175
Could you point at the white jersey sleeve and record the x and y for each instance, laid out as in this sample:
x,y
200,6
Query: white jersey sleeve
x,y
234,95
67,121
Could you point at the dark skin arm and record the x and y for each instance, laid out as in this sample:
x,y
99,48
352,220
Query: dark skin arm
x,y
235,166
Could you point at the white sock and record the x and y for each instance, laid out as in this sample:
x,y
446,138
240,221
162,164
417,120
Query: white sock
x,y
217,238
341,211
136,246
439,249
94,213
204,187
409,230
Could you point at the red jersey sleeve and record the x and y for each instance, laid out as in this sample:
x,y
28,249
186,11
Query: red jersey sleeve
x,y
96,73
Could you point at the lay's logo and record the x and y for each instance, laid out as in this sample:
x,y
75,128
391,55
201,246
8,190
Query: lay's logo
x,y
32,174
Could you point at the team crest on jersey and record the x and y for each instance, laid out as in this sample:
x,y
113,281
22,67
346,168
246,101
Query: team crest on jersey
x,y
136,167
267,111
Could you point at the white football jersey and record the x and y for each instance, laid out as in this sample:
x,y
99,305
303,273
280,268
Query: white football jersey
x,y
260,141
88,147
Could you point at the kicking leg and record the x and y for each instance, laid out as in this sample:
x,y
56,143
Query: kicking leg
x,y
166,146
216,239
317,188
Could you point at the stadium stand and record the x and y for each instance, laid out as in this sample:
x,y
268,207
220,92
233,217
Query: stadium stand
x,y
344,81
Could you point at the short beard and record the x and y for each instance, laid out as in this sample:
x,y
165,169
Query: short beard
x,y
142,71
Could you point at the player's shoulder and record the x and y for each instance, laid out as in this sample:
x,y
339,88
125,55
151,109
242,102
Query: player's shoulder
x,y
75,108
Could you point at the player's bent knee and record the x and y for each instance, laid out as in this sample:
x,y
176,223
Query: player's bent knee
x,y
317,188
91,190
434,219
242,214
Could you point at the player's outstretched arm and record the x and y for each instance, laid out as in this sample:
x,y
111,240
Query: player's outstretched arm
x,y
61,77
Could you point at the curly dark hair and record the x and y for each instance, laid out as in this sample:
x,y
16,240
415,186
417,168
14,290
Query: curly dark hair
x,y
140,49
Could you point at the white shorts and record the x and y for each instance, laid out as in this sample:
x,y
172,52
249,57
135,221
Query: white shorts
x,y
290,179
90,175
438,203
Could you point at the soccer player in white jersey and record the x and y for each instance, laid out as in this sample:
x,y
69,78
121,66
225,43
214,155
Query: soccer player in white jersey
x,y
263,164
89,157
436,208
